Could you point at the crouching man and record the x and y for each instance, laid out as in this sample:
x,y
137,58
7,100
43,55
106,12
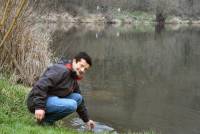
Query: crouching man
x,y
56,94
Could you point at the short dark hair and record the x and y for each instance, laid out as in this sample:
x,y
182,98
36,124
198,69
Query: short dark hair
x,y
85,56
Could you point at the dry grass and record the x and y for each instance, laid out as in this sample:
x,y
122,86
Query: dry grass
x,y
24,54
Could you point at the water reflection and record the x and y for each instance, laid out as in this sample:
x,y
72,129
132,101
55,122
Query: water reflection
x,y
139,82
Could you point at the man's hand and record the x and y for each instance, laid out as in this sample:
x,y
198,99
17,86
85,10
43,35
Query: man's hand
x,y
39,114
90,124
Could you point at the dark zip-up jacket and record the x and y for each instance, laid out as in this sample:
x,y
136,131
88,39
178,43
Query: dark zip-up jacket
x,y
58,80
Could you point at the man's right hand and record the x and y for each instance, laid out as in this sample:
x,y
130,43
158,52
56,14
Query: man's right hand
x,y
39,114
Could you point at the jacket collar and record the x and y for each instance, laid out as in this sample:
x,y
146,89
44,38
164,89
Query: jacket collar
x,y
73,74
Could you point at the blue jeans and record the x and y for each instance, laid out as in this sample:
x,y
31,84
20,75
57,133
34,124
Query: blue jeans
x,y
58,108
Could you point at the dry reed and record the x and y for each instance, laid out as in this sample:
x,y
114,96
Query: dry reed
x,y
24,54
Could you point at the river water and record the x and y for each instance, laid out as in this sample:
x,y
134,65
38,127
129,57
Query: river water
x,y
145,78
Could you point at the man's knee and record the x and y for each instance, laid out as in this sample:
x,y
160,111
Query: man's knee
x,y
78,98
70,107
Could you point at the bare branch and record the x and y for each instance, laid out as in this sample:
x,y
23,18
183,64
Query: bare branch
x,y
5,14
23,3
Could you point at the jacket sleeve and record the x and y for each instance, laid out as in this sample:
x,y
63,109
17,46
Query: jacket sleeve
x,y
82,110
47,81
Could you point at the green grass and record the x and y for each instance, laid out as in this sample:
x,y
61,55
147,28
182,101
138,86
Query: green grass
x,y
136,16
14,116
142,16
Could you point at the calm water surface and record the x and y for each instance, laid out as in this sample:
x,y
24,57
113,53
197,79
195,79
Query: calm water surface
x,y
141,79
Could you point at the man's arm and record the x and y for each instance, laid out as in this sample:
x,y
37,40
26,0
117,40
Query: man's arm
x,y
83,112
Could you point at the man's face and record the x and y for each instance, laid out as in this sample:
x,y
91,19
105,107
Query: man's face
x,y
80,67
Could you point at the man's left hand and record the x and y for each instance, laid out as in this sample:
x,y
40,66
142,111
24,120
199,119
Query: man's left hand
x,y
90,124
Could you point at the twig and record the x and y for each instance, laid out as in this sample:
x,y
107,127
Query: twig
x,y
23,2
5,16
13,22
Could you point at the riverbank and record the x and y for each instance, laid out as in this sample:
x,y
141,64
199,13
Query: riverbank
x,y
113,16
15,118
